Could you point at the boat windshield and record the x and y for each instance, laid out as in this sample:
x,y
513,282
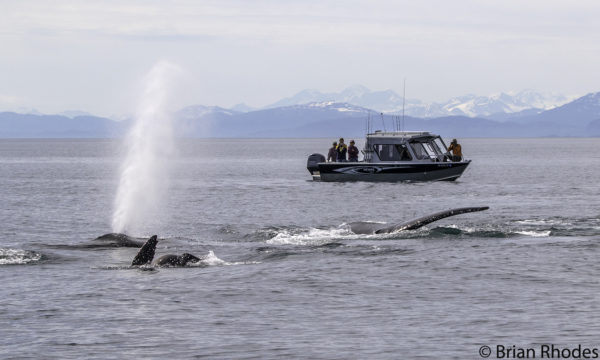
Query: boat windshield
x,y
431,149
441,148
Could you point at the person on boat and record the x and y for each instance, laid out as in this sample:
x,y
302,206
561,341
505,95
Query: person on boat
x,y
352,152
456,150
341,150
332,155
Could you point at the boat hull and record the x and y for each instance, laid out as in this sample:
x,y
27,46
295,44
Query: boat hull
x,y
390,172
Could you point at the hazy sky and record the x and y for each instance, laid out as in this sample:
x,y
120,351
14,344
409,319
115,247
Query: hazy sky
x,y
92,55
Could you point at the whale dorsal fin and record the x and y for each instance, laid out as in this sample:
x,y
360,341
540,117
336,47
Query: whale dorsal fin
x,y
146,253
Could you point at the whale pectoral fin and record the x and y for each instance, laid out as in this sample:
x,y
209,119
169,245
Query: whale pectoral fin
x,y
146,253
365,227
422,221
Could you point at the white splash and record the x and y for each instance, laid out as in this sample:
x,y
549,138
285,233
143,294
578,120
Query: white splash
x,y
312,236
535,233
538,222
18,256
211,259
149,147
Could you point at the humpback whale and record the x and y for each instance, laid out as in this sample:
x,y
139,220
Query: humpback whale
x,y
363,227
146,255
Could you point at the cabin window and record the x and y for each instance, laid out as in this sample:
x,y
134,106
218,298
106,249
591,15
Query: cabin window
x,y
387,152
404,153
430,148
427,150
420,152
392,152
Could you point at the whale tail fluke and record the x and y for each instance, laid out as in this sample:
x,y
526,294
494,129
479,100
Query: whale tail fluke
x,y
146,253
376,228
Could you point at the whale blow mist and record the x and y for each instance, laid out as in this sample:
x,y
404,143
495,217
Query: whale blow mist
x,y
149,146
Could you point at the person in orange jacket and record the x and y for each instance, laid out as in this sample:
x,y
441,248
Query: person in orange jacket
x,y
456,150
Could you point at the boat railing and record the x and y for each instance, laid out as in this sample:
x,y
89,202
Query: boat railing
x,y
367,155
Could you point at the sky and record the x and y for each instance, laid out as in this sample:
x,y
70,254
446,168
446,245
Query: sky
x,y
92,55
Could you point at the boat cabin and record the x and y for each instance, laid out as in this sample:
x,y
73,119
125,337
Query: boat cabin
x,y
419,146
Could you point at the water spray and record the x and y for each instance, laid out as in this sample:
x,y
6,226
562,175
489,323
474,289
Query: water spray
x,y
149,148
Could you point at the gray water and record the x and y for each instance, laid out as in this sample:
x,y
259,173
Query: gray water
x,y
280,278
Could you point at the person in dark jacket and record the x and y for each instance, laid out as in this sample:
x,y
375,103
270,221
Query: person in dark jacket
x,y
332,155
341,150
352,152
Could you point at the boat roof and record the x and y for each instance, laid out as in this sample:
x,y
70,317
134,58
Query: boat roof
x,y
401,134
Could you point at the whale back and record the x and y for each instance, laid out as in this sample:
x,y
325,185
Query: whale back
x,y
174,260
365,227
167,260
146,253
186,257
116,240
378,228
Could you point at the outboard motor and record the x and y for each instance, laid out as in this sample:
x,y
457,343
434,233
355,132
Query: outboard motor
x,y
313,164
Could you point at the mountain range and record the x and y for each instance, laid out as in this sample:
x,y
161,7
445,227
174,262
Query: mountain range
x,y
524,114
388,101
580,117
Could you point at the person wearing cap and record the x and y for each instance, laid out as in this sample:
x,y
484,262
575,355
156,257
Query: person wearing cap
x,y
341,150
332,155
352,152
456,150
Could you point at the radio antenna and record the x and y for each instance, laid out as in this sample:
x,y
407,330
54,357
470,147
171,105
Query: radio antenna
x,y
403,102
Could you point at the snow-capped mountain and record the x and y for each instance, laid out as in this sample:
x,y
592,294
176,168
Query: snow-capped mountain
x,y
74,113
333,106
196,111
579,111
311,96
388,101
508,103
241,107
382,101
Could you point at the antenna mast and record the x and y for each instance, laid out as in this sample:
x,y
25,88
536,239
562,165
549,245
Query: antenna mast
x,y
403,102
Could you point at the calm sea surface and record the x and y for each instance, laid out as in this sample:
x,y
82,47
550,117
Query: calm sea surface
x,y
280,278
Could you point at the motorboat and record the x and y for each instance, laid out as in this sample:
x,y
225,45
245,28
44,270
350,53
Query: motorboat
x,y
393,156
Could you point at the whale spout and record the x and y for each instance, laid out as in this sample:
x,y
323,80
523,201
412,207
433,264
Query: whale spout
x,y
146,253
361,227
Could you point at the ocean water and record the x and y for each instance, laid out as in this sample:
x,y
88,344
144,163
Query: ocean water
x,y
281,277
